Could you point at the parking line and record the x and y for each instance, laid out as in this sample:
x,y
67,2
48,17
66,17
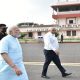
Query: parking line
x,y
41,63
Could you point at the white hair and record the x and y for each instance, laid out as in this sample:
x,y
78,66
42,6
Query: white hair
x,y
9,29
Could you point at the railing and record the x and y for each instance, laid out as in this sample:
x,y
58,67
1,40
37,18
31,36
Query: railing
x,y
69,26
69,12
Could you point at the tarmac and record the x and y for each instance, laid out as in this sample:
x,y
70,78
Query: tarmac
x,y
34,59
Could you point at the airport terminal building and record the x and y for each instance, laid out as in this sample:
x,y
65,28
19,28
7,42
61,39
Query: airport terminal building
x,y
67,16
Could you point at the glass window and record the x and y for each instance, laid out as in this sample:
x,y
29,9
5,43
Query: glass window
x,y
39,33
30,34
70,21
68,33
74,33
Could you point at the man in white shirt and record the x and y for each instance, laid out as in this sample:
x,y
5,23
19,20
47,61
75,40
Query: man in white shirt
x,y
51,52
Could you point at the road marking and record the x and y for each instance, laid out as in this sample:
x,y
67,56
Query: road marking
x,y
41,63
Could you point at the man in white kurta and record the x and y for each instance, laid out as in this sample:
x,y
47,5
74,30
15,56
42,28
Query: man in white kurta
x,y
11,46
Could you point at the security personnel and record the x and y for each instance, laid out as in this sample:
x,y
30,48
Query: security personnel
x,y
2,30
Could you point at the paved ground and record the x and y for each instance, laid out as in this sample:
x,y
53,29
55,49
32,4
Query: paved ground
x,y
34,72
69,55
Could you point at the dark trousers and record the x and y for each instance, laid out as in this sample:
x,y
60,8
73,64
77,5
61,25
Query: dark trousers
x,y
50,55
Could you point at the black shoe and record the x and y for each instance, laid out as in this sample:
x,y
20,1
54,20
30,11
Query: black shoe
x,y
66,74
45,77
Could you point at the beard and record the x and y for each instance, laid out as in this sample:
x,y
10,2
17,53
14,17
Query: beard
x,y
18,35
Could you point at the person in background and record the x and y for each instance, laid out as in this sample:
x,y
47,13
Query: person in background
x,y
51,52
61,38
11,59
2,30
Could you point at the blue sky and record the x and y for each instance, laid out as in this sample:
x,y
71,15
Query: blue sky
x,y
15,11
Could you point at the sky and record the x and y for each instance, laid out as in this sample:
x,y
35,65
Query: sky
x,y
13,12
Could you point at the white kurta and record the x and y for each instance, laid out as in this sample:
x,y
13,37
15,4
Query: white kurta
x,y
12,47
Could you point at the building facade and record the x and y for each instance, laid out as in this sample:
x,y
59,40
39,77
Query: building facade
x,y
34,31
67,16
